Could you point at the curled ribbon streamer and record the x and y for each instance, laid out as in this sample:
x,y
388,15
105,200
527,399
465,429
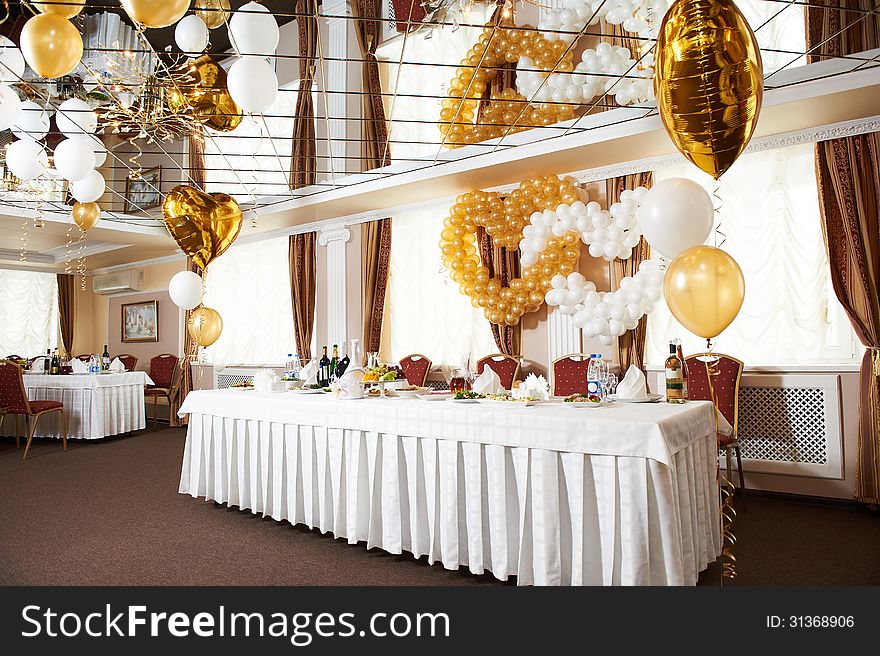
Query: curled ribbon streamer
x,y
717,204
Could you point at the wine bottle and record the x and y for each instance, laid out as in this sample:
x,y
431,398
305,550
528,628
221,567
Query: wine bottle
x,y
105,359
47,363
673,368
344,362
54,368
334,363
684,370
324,369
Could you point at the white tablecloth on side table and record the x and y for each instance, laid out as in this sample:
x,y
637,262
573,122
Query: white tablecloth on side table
x,y
553,495
96,406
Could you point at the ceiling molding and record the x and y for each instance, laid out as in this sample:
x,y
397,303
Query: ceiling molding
x,y
136,265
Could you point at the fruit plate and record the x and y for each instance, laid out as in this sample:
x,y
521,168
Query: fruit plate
x,y
651,398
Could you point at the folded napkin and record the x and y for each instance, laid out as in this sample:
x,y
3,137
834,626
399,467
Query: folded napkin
x,y
633,385
487,382
266,380
37,366
309,373
117,365
77,366
533,387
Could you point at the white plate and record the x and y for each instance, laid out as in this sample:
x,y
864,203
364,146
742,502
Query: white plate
x,y
465,400
240,389
586,404
652,398
434,397
307,391
410,394
509,404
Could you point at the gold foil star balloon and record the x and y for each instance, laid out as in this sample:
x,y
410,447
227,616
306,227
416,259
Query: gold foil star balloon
x,y
709,81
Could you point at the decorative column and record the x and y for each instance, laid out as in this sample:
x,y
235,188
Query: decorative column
x,y
335,240
563,337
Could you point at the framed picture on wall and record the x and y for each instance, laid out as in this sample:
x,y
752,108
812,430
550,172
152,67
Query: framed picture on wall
x,y
140,321
143,193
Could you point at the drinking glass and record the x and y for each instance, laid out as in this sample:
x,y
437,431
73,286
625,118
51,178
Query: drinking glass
x,y
609,385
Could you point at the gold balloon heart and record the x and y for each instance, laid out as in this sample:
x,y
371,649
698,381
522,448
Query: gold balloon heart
x,y
704,288
709,81
203,225
205,96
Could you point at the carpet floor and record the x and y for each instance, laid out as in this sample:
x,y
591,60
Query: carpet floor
x,y
108,513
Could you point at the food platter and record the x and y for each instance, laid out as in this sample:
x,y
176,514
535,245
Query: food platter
x,y
651,398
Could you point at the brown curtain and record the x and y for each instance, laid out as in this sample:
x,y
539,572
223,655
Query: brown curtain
x,y
301,253
504,265
190,351
197,158
66,309
630,345
375,256
848,174
304,159
374,149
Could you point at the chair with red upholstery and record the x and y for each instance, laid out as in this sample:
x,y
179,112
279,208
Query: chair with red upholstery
x,y
415,368
726,374
163,369
14,399
128,360
570,374
506,366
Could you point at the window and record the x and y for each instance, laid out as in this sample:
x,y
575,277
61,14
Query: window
x,y
769,223
425,312
237,167
249,286
28,313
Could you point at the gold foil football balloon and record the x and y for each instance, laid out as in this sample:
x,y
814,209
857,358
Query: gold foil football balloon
x,y
205,96
203,225
708,81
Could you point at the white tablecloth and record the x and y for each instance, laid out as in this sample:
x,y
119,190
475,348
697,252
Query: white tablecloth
x,y
554,495
96,405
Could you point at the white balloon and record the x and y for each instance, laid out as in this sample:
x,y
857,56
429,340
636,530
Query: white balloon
x,y
191,35
11,61
100,151
10,107
595,250
33,123
185,289
598,327
633,295
575,280
74,159
675,215
26,159
253,84
89,189
592,298
618,313
253,30
606,340
603,310
616,327
75,118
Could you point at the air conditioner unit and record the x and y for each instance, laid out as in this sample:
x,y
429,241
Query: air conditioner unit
x,y
130,280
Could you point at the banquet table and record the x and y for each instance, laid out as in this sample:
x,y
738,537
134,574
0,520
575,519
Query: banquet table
x,y
624,494
96,405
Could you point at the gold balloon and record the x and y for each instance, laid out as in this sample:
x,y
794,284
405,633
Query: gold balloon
x,y
704,289
205,325
709,81
155,13
85,215
51,45
203,225
214,12
68,8
205,96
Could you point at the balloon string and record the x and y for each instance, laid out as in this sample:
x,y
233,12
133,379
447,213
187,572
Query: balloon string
x,y
717,204
81,260
68,256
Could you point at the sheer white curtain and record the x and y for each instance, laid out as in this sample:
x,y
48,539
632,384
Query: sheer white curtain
x,y
771,226
779,29
249,286
256,166
28,313
420,82
425,312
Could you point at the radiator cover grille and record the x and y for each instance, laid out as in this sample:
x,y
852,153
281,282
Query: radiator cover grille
x,y
784,424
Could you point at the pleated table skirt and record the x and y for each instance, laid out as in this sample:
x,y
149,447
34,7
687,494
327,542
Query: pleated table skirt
x,y
546,517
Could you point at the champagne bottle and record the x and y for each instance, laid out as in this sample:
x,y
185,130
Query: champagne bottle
x,y
673,368
334,362
47,363
344,362
324,369
105,359
54,368
684,370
